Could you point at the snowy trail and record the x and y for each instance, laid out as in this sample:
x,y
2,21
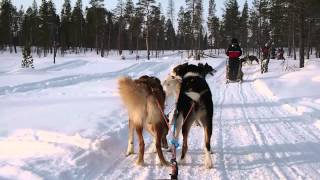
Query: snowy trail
x,y
254,137
257,139
143,67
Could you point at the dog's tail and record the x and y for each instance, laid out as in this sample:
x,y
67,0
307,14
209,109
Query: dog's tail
x,y
133,96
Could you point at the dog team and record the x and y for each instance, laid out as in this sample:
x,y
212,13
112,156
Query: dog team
x,y
145,97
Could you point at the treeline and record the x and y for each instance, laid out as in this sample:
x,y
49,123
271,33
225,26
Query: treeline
x,y
143,26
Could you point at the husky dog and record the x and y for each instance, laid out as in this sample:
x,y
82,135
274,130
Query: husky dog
x,y
144,98
194,96
249,59
172,83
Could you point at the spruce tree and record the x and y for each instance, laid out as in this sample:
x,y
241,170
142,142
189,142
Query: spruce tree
x,y
65,29
244,27
119,12
96,23
78,25
171,11
129,22
44,27
170,35
213,25
7,13
27,60
232,19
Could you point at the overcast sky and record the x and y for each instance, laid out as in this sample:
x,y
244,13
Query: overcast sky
x,y
110,4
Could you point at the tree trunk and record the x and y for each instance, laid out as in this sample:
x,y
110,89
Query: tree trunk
x,y
290,19
119,39
302,33
147,43
308,41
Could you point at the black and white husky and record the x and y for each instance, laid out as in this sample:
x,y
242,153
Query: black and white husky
x,y
194,102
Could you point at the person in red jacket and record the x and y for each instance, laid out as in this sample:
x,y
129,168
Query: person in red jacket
x,y
234,52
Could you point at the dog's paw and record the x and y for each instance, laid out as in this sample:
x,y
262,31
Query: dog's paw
x,y
208,164
182,161
140,162
208,161
166,163
129,152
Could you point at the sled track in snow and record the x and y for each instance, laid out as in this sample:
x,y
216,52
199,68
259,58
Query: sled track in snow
x,y
134,70
260,137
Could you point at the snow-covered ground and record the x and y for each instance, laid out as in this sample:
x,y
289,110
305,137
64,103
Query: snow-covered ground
x,y
66,121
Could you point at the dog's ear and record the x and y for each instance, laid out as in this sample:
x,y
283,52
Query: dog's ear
x,y
208,66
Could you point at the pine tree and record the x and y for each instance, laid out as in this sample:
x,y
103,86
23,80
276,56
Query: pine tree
x,y
180,30
144,8
96,23
7,15
44,27
195,7
170,11
27,60
301,7
198,29
34,26
129,21
188,31
170,35
261,10
17,27
213,25
66,31
136,28
232,19
244,27
154,28
278,22
119,12
78,25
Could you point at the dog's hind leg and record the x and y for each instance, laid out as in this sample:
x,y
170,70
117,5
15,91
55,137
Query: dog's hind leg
x,y
130,149
185,131
164,142
159,136
207,138
140,160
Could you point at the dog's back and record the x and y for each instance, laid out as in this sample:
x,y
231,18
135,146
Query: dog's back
x,y
141,97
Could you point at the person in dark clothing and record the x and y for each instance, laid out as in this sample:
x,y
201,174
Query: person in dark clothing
x,y
234,52
280,54
265,58
273,53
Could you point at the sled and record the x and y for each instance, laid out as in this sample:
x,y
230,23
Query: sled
x,y
238,78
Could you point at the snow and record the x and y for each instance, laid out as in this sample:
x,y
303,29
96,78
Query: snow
x,y
66,120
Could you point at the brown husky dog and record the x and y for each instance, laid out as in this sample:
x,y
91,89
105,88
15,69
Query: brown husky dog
x,y
144,98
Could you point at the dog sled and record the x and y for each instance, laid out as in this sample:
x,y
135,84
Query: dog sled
x,y
232,77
